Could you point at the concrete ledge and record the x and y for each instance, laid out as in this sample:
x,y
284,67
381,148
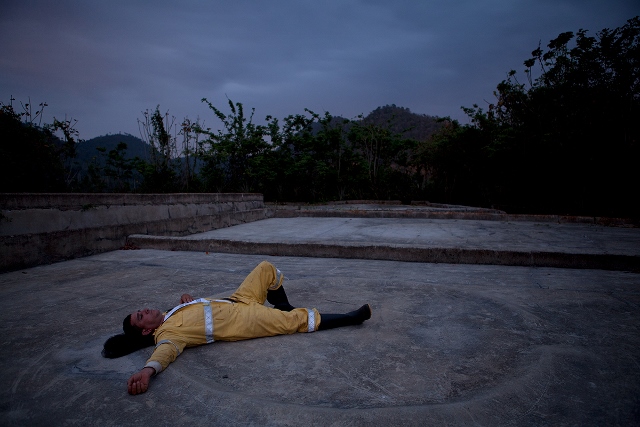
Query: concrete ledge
x,y
393,252
62,201
426,210
43,228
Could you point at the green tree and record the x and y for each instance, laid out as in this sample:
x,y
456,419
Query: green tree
x,y
564,142
348,176
32,158
575,128
159,171
386,155
231,155
190,154
288,164
121,172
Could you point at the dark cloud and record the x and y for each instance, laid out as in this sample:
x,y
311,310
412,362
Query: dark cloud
x,y
105,62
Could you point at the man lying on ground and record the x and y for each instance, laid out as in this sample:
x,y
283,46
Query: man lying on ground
x,y
204,320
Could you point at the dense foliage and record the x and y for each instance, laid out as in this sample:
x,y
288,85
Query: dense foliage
x,y
564,141
307,157
32,157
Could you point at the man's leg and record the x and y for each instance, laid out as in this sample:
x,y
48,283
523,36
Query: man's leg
x,y
255,320
279,299
255,286
356,317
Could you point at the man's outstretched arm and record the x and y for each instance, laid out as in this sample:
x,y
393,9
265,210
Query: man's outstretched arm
x,y
139,382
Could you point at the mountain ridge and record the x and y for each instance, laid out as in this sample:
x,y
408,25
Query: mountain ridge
x,y
400,120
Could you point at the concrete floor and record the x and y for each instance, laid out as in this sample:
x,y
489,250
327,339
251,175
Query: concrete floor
x,y
448,344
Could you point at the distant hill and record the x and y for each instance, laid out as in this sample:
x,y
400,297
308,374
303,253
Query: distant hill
x,y
87,150
398,119
402,120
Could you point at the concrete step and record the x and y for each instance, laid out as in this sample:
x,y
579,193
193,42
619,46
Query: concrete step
x,y
434,211
518,243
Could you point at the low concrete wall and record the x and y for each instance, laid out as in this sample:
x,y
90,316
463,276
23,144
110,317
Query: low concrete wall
x,y
43,228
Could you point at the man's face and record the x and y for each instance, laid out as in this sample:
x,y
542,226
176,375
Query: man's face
x,y
147,319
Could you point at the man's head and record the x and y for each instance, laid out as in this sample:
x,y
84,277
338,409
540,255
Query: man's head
x,y
138,333
142,322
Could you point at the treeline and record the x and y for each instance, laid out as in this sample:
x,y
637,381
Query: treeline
x,y
564,140
305,157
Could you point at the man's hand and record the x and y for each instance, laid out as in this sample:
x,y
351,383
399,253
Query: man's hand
x,y
185,298
139,382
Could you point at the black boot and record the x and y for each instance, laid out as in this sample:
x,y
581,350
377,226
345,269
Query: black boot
x,y
330,321
279,299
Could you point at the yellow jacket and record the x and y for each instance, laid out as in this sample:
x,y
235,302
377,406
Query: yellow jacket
x,y
193,325
187,327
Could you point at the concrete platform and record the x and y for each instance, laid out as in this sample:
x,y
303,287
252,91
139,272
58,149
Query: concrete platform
x,y
448,344
516,243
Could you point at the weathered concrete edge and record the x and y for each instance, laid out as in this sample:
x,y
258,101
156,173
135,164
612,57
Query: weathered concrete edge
x,y
61,201
482,216
28,250
297,205
394,253
40,228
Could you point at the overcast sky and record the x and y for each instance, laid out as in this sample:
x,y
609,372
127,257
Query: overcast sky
x,y
104,62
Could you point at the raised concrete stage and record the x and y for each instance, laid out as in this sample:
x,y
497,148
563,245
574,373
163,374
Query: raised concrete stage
x,y
516,242
448,344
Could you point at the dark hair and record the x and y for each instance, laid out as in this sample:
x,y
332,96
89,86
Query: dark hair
x,y
130,341
123,344
129,329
